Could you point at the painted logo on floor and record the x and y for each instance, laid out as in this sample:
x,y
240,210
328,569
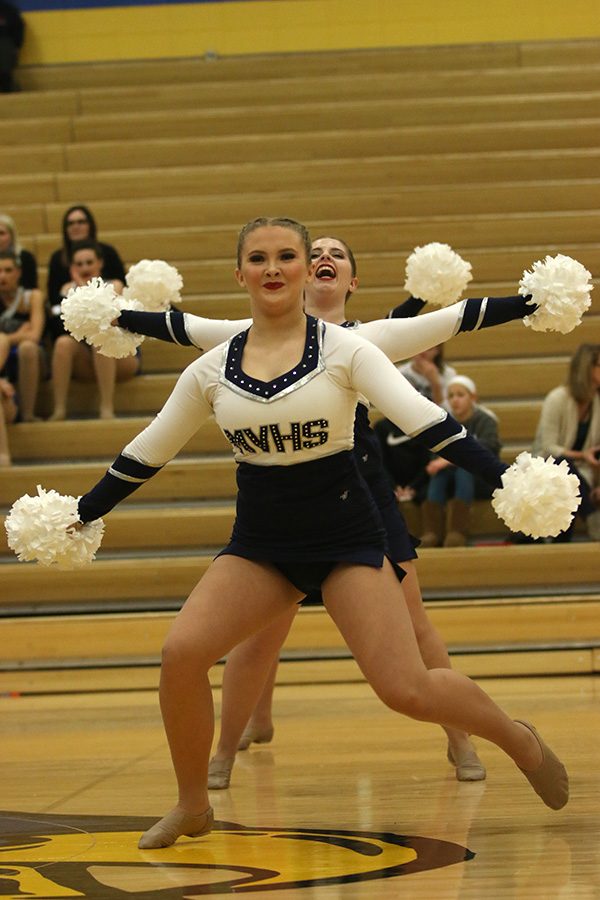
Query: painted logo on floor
x,y
48,856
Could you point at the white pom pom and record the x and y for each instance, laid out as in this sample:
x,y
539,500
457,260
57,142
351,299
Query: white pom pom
x,y
88,311
118,342
538,496
154,283
89,308
437,274
37,529
561,287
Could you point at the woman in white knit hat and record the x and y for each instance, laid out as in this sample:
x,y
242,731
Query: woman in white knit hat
x,y
451,490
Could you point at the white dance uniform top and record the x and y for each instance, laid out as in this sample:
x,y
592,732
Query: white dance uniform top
x,y
302,424
306,413
301,498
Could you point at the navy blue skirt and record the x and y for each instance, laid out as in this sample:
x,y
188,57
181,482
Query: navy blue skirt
x,y
306,518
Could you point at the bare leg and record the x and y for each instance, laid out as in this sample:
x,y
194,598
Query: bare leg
x,y
245,665
29,378
368,608
5,459
248,667
108,372
106,375
435,655
8,413
234,599
4,349
260,729
66,352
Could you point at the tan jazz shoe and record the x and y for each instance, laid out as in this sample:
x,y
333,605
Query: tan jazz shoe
x,y
468,765
255,735
173,825
550,780
219,773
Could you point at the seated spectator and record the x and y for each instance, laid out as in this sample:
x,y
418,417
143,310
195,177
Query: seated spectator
x,y
70,358
12,34
429,374
569,428
405,459
78,225
9,241
8,414
452,490
21,329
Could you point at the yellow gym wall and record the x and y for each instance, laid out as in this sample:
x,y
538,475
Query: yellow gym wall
x,y
285,26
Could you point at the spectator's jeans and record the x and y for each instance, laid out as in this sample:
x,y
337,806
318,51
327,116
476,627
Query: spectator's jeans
x,y
451,483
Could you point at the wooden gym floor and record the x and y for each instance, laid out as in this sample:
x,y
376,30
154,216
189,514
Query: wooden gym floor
x,y
350,800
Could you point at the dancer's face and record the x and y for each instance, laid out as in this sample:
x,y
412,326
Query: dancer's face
x,y
85,265
274,268
331,269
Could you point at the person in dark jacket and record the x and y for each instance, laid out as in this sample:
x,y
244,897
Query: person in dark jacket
x,y
12,34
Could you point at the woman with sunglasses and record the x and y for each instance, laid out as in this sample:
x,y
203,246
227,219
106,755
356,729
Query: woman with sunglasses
x,y
78,224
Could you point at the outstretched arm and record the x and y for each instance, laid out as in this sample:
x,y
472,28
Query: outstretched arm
x,y
376,378
400,338
182,328
179,419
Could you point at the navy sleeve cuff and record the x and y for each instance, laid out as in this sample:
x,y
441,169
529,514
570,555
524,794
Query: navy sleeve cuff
x,y
168,326
407,310
450,440
124,477
485,312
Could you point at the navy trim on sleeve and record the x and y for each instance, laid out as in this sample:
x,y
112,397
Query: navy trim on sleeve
x,y
104,496
440,433
176,325
124,477
450,440
156,325
131,469
485,312
407,310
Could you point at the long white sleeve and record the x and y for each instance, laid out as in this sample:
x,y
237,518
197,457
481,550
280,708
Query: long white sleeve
x,y
402,338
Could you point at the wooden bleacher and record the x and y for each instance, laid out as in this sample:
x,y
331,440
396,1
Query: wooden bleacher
x,y
491,149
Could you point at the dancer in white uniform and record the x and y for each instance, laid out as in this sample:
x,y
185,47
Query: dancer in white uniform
x,y
285,393
251,668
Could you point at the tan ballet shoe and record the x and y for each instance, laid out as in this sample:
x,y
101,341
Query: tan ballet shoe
x,y
550,780
255,735
468,765
219,773
173,825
